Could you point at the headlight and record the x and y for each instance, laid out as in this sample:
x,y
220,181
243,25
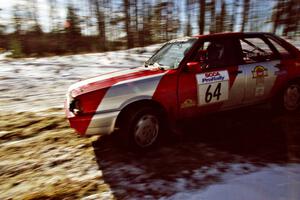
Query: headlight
x,y
75,107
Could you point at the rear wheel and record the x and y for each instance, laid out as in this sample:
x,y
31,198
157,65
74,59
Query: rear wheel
x,y
291,97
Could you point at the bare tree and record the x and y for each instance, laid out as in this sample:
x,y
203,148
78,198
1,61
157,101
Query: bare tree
x,y
221,18
246,8
52,15
234,7
212,27
17,18
188,29
292,17
127,23
34,16
2,26
99,12
201,21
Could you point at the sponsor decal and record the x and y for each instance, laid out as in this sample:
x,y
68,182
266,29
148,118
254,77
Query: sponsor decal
x,y
259,72
259,90
188,103
212,77
213,87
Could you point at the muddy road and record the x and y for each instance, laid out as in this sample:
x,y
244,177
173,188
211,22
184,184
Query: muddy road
x,y
42,158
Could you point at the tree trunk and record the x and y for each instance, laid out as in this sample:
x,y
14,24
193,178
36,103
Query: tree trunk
x,y
100,24
188,30
233,15
212,28
223,17
127,23
52,5
246,8
201,21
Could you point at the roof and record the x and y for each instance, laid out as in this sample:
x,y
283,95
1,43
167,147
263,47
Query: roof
x,y
232,34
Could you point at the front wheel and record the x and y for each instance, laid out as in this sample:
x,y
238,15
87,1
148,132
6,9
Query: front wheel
x,y
142,127
145,130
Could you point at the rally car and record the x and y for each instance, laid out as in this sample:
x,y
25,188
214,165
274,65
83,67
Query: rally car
x,y
186,78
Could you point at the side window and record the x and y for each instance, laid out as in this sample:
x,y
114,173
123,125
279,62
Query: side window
x,y
256,50
282,51
214,53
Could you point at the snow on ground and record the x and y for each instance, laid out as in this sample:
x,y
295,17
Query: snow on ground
x,y
4,55
270,183
39,83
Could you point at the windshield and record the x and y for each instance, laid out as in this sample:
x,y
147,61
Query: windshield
x,y
171,54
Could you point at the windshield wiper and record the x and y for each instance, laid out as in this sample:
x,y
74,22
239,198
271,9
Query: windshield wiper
x,y
146,64
154,64
158,66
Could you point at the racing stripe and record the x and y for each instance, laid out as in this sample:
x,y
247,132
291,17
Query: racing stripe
x,y
127,91
122,92
99,81
236,88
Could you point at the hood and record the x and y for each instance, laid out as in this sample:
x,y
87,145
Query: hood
x,y
108,79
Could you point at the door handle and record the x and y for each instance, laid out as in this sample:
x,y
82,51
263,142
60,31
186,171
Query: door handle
x,y
279,66
236,72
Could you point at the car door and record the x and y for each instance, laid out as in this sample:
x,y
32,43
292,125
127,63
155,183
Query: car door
x,y
217,85
260,65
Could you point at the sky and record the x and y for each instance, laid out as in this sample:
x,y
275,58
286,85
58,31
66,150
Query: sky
x,y
6,7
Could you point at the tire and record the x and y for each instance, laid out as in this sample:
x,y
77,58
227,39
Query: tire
x,y
289,99
141,128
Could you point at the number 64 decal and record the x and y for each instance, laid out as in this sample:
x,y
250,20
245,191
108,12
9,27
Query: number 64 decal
x,y
212,89
216,94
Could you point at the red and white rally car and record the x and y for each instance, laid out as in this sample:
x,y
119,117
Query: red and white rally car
x,y
185,78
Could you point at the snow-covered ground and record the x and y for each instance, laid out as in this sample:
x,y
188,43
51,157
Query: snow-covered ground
x,y
269,183
39,83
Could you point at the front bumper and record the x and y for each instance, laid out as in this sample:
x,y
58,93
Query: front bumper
x,y
102,124
98,124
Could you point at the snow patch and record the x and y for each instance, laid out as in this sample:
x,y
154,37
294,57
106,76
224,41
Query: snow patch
x,y
270,183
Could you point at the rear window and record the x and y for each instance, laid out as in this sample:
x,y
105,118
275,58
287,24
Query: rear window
x,y
282,51
256,50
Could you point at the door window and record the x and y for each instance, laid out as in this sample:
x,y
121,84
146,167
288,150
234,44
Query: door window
x,y
256,50
217,53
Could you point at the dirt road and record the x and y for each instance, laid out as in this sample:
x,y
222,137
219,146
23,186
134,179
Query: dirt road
x,y
42,158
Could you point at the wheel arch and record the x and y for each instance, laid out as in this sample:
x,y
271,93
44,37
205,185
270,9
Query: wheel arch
x,y
277,98
295,79
281,89
135,104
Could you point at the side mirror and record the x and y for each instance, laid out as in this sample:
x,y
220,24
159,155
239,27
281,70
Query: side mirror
x,y
194,66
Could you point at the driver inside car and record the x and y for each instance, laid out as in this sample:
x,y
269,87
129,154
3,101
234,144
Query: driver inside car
x,y
215,52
